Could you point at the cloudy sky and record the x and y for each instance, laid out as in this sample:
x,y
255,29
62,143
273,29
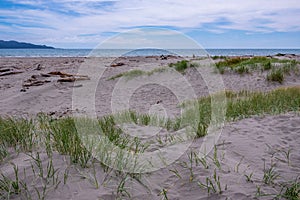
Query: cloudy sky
x,y
212,23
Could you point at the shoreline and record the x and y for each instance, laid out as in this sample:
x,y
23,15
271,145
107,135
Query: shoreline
x,y
279,55
144,52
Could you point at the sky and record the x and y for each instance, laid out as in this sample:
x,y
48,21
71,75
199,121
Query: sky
x,y
210,23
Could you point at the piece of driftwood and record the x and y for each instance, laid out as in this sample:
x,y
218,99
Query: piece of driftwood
x,y
10,73
4,70
45,75
38,67
58,73
63,74
73,79
35,83
117,64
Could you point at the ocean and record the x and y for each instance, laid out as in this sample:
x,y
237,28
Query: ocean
x,y
140,52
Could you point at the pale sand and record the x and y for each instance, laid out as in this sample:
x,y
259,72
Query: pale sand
x,y
243,148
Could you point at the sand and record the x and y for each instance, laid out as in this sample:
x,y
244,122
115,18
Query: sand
x,y
244,147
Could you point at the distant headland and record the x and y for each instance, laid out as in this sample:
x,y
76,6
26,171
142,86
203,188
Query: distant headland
x,y
21,45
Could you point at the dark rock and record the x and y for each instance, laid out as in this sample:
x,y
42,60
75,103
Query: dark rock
x,y
162,57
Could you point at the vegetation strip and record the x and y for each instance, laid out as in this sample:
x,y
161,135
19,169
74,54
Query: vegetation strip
x,y
61,136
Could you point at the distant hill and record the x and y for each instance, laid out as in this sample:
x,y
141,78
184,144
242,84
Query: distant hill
x,y
21,45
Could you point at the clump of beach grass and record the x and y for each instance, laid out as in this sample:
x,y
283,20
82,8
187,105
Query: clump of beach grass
x,y
137,72
67,141
179,66
276,75
17,133
182,65
212,184
242,105
218,57
243,65
292,190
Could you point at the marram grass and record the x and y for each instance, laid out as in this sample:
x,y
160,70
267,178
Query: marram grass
x,y
137,72
179,66
277,68
61,135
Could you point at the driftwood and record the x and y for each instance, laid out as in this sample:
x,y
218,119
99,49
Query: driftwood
x,y
117,64
63,74
38,67
45,75
73,79
35,83
4,70
65,77
10,73
58,73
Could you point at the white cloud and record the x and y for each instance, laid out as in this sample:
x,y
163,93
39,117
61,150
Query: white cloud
x,y
98,16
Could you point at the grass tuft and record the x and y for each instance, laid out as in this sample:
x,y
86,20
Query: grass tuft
x,y
292,191
276,75
17,133
243,65
137,72
66,140
182,65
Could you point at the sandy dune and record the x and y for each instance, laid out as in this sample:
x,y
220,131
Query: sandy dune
x,y
245,146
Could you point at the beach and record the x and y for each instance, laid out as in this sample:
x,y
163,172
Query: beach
x,y
257,154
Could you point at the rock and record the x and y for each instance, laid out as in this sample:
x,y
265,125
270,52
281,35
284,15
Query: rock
x,y
159,101
51,113
34,76
162,57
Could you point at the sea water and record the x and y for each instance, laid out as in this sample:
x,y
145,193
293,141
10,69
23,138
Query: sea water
x,y
140,52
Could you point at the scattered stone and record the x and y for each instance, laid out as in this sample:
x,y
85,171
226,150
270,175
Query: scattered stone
x,y
280,54
163,57
159,101
23,90
173,57
51,113
34,76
